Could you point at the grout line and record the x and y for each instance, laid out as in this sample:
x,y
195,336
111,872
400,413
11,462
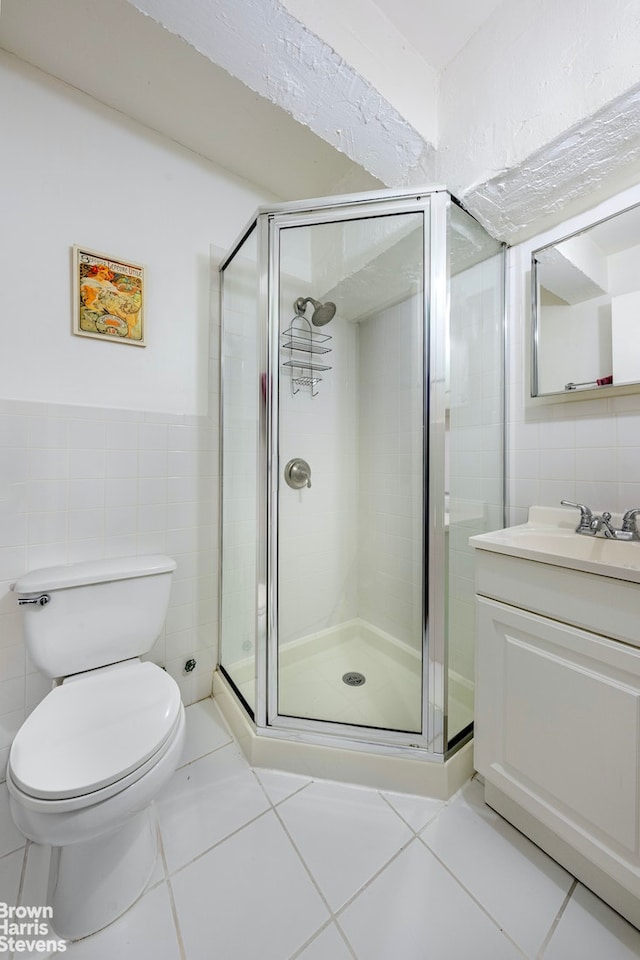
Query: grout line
x,y
219,842
299,950
303,862
277,803
418,831
221,746
346,940
360,890
174,911
472,896
558,918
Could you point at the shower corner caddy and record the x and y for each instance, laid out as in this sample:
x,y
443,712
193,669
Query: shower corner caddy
x,y
302,346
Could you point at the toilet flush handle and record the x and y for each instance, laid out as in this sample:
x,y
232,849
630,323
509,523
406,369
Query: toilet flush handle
x,y
42,600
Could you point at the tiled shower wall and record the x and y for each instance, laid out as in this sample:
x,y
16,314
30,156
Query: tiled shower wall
x,y
80,483
319,575
390,470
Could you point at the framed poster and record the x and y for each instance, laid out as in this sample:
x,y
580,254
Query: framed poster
x,y
108,298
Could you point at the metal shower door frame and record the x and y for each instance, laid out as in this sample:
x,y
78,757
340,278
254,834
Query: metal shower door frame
x,y
433,203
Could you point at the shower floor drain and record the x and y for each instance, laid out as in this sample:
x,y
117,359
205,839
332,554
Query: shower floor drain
x,y
354,679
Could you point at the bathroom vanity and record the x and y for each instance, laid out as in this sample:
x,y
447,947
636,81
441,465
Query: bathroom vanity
x,y
557,729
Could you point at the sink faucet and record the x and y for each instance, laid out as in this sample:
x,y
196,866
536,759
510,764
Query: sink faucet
x,y
585,524
590,524
629,524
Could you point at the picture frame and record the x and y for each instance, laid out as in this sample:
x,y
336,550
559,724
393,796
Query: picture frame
x,y
108,298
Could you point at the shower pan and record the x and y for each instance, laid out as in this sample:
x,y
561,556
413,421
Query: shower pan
x,y
362,352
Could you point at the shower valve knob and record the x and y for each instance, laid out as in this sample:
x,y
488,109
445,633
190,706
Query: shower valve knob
x,y
297,474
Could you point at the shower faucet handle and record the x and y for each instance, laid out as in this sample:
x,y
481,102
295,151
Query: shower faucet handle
x,y
297,474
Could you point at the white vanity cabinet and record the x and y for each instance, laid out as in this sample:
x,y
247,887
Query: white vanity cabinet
x,y
557,728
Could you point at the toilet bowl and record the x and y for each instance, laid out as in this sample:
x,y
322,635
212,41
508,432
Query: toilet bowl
x,y
88,762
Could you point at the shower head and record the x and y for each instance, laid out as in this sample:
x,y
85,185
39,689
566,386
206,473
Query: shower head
x,y
322,312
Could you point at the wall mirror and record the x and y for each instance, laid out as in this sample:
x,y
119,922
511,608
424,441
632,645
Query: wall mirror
x,y
586,310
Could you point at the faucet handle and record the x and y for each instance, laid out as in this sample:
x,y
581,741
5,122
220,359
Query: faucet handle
x,y
586,516
629,520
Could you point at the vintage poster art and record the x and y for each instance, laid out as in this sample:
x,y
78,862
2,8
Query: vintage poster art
x,y
108,298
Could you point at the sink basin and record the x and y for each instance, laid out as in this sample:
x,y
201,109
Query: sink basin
x,y
549,537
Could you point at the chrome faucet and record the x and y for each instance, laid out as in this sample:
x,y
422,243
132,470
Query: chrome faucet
x,y
590,524
585,524
629,525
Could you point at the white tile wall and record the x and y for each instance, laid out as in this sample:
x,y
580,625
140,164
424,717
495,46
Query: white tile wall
x,y
390,471
79,483
318,572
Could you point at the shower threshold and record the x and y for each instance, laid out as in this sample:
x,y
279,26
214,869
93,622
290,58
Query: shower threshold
x,y
367,764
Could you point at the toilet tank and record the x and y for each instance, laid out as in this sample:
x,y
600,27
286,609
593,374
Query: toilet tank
x,y
99,612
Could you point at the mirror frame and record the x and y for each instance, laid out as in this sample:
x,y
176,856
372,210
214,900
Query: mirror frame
x,y
585,393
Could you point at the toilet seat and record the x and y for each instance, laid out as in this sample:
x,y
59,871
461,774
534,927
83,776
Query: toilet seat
x,y
95,734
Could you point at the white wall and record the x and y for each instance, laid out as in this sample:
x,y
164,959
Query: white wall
x,y
107,450
77,172
582,450
574,344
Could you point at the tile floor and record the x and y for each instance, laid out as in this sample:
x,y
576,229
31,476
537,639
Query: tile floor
x,y
258,864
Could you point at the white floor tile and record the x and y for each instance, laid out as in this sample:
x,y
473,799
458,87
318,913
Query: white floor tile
x,y
279,786
519,885
328,945
10,837
10,873
249,897
415,910
590,930
416,811
206,731
145,932
205,802
344,834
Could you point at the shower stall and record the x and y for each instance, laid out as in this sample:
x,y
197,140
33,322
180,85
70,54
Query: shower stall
x,y
362,352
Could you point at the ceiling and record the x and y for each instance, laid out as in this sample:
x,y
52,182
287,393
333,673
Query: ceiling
x,y
437,29
129,62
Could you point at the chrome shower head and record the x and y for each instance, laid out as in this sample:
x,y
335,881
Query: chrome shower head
x,y
322,312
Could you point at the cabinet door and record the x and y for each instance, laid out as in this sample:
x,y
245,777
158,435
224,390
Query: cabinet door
x,y
557,730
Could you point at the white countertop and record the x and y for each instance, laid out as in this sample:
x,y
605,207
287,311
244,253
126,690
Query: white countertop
x,y
549,537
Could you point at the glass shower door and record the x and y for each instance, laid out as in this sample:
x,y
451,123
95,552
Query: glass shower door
x,y
350,413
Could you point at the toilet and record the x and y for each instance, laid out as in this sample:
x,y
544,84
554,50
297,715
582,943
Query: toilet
x,y
88,762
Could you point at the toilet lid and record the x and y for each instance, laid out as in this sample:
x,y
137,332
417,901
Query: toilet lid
x,y
94,729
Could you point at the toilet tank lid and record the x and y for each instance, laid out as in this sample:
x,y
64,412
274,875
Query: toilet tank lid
x,y
93,571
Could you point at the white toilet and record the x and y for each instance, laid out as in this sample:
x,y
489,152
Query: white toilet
x,y
89,760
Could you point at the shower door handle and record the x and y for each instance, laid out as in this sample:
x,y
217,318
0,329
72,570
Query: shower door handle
x,y
297,474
